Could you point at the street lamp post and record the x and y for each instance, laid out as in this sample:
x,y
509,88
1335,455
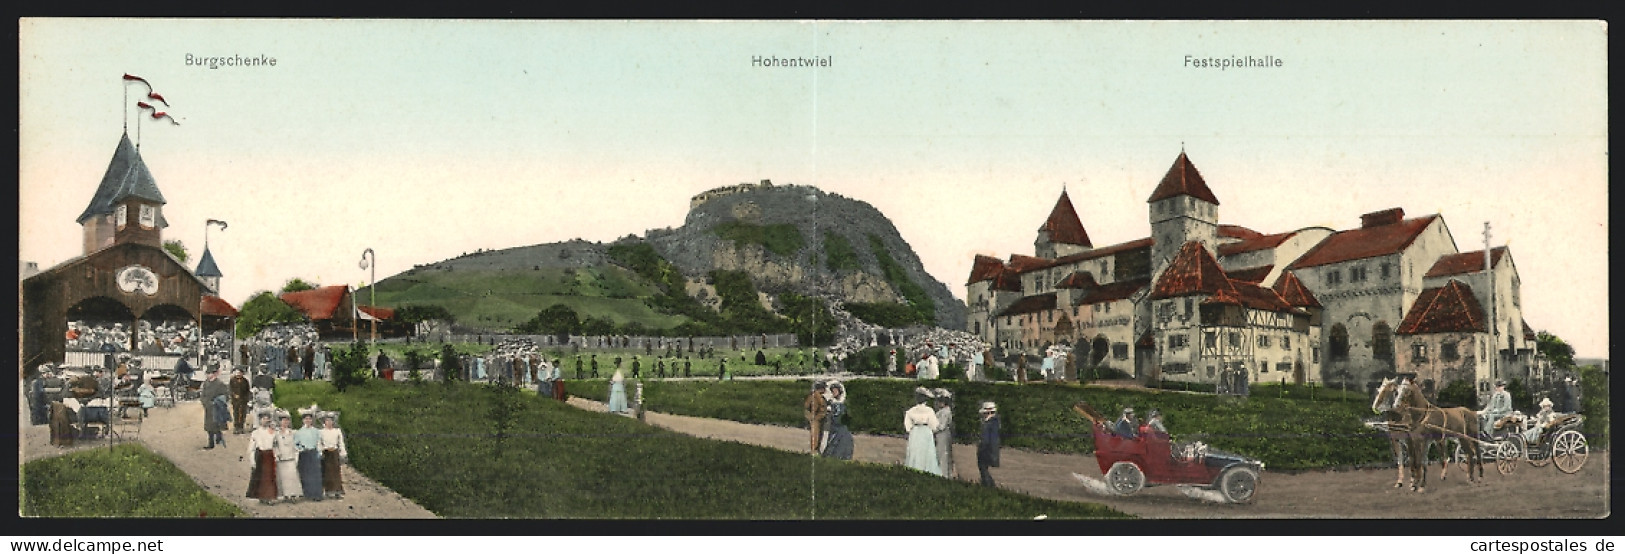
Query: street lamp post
x,y
369,260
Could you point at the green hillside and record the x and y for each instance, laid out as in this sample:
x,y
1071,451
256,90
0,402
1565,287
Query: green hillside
x,y
502,299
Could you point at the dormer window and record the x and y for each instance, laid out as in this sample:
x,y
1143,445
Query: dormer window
x,y
149,216
121,216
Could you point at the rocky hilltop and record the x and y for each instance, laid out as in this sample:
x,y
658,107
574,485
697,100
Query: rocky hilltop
x,y
787,238
827,225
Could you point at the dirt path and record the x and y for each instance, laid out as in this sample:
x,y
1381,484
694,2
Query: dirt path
x,y
1528,493
177,434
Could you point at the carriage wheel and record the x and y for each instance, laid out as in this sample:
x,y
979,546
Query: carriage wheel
x,y
1459,456
1125,478
1507,453
1569,450
1238,483
1538,456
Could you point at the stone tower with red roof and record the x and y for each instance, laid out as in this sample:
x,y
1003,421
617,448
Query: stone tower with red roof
x,y
1062,233
1182,210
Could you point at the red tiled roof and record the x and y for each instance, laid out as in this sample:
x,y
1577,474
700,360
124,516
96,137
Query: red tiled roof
x,y
1448,309
1063,225
1099,252
1365,242
1237,232
1182,179
318,303
1007,281
1192,271
1251,296
984,268
1115,291
1252,275
1031,304
1023,264
216,306
1251,244
377,312
1078,280
1465,262
1293,291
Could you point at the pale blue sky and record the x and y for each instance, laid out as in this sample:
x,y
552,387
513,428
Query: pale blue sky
x,y
438,137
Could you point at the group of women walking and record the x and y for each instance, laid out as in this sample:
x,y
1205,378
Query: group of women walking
x,y
931,432
291,465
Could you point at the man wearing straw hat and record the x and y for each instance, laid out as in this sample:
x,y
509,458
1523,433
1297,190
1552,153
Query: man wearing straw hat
x,y
816,408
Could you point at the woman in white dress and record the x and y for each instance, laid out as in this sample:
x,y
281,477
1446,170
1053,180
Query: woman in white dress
x,y
945,432
617,393
921,422
287,459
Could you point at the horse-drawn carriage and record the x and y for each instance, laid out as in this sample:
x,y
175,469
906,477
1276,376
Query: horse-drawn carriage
x,y
1130,464
1560,439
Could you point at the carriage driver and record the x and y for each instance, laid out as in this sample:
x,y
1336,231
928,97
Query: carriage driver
x,y
1499,406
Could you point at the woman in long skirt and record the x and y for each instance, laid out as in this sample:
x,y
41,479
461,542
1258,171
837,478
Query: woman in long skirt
x,y
287,460
308,439
921,423
261,452
945,432
333,456
839,444
617,393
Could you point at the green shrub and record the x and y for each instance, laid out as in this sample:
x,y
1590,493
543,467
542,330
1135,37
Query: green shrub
x,y
780,238
886,314
1594,403
1458,393
838,253
351,366
918,299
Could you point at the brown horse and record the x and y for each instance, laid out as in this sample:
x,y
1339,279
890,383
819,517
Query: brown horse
x,y
1432,424
1399,427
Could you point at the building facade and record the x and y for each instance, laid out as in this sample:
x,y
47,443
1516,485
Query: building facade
x,y
1198,299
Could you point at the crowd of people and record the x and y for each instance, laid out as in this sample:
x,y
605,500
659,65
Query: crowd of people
x,y
287,465
292,352
929,424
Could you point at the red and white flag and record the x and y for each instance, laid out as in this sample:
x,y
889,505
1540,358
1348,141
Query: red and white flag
x,y
157,114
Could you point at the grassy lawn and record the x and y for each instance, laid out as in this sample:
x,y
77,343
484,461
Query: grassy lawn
x,y
501,299
436,445
126,481
791,361
1285,433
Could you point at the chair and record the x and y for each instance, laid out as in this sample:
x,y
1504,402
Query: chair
x,y
127,425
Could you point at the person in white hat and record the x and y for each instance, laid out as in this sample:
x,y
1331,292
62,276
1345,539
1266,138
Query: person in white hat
x,y
945,432
1538,423
987,449
921,422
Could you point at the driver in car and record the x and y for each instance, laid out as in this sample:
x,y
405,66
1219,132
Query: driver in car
x,y
1127,426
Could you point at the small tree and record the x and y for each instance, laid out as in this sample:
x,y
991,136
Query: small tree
x,y
414,358
450,364
296,284
264,309
505,404
176,248
350,366
1458,393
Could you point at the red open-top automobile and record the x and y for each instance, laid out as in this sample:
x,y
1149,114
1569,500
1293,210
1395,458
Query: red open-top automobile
x,y
1129,464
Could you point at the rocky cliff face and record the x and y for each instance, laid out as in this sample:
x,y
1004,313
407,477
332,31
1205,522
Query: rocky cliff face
x,y
815,215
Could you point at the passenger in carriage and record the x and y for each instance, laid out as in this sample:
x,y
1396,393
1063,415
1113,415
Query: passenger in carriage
x,y
1153,425
1538,423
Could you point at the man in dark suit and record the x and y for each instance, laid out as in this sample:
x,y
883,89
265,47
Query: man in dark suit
x,y
987,450
1127,427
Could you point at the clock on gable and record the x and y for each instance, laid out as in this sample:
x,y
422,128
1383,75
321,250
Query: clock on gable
x,y
137,278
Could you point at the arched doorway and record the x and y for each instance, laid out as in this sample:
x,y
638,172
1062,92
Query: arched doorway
x,y
1382,345
165,329
99,324
1338,343
1098,349
1298,376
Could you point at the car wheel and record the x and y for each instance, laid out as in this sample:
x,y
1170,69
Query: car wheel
x,y
1125,478
1238,483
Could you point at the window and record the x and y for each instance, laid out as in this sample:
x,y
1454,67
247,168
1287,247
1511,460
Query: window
x,y
1419,352
121,215
1095,308
1108,308
1334,277
1447,352
1283,367
1176,369
1263,341
1386,270
1120,351
1357,274
1176,342
1210,339
978,327
1339,343
149,216
1382,342
1188,303
1515,293
1314,355
1235,339
1074,311
1209,371
1286,342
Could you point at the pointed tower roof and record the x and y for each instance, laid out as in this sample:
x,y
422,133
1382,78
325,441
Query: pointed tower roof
x,y
1192,271
1183,179
1293,291
1448,309
126,176
1063,225
206,266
